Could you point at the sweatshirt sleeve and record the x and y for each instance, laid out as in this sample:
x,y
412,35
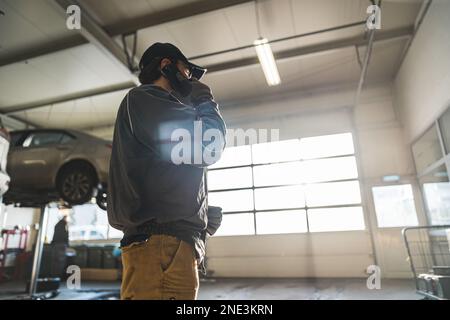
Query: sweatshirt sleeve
x,y
174,132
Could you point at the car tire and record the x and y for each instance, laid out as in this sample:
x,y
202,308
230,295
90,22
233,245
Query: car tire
x,y
101,199
76,184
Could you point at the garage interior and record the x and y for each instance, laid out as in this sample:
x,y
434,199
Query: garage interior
x,y
358,146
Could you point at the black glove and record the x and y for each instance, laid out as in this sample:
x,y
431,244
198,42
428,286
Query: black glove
x,y
200,92
214,219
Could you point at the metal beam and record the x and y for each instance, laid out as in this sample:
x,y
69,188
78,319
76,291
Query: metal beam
x,y
17,119
316,48
126,27
39,247
296,36
365,66
69,97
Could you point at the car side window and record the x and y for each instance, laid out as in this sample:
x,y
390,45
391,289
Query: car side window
x,y
40,139
15,138
66,138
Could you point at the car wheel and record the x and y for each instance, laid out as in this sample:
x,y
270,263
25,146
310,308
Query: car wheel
x,y
76,184
101,199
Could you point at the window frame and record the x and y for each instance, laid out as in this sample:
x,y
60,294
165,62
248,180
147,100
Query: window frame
x,y
30,135
306,207
444,160
397,183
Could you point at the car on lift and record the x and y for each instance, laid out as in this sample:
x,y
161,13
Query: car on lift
x,y
69,163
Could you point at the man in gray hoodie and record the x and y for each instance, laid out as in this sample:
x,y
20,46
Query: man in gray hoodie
x,y
157,194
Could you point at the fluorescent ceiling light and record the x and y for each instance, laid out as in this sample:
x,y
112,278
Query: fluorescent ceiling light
x,y
267,61
391,178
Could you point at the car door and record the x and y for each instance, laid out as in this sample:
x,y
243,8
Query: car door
x,y
39,157
13,165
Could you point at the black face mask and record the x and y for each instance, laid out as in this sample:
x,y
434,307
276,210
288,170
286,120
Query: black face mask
x,y
179,83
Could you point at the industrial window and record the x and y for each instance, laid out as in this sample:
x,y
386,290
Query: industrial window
x,y
438,202
394,206
436,190
291,186
89,222
432,158
444,124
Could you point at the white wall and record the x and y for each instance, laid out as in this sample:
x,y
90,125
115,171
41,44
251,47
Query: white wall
x,y
327,254
388,119
383,151
422,90
422,86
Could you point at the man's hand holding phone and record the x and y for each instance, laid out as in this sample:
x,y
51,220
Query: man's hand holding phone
x,y
200,92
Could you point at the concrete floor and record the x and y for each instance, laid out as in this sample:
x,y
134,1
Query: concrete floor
x,y
252,289
306,289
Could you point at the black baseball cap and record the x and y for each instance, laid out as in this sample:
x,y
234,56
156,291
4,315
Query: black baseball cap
x,y
168,50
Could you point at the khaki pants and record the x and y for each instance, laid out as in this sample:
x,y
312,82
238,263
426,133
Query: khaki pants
x,y
161,268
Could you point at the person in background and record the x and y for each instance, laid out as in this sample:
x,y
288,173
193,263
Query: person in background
x,y
61,234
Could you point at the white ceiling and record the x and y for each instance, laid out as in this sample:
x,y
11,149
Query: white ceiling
x,y
236,26
58,74
108,12
86,68
27,24
99,110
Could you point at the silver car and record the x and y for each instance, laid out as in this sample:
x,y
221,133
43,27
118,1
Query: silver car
x,y
71,164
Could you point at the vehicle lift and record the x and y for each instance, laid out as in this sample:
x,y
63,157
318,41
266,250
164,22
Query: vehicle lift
x,y
41,200
6,234
37,257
